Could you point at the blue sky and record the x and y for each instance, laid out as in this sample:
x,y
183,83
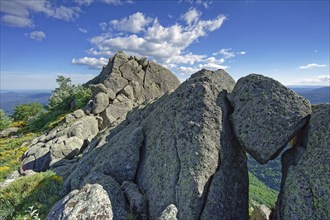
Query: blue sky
x,y
285,40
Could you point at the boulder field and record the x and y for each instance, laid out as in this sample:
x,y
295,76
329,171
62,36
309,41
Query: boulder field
x,y
148,146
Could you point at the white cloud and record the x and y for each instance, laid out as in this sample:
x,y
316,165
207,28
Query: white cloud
x,y
93,63
191,16
16,21
312,65
167,45
20,13
187,70
227,53
161,43
133,23
37,35
82,30
317,80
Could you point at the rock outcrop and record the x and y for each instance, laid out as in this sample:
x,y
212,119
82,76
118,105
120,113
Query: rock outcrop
x,y
305,192
91,202
267,115
179,150
148,147
123,84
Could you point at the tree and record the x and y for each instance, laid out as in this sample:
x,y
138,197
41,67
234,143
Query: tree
x,y
67,94
26,111
65,98
4,120
62,96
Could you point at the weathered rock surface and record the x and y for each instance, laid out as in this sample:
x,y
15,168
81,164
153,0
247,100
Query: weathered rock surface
x,y
305,192
261,212
122,85
136,200
171,148
8,132
169,213
64,142
267,115
91,202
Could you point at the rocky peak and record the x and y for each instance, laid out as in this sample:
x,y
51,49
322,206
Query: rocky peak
x,y
124,83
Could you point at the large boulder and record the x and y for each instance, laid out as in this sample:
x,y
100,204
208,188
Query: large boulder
x,y
91,202
179,150
305,192
267,115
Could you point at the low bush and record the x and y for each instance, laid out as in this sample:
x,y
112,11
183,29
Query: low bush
x,y
4,120
40,191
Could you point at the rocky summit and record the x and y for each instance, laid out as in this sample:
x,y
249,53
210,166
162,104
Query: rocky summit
x,y
178,150
149,147
125,83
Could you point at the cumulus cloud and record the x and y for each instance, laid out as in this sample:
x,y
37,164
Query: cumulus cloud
x,y
187,70
16,21
161,43
317,80
19,13
191,16
312,65
37,35
91,62
227,53
167,45
133,23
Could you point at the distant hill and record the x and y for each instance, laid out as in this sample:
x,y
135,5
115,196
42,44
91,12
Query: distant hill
x,y
9,99
315,95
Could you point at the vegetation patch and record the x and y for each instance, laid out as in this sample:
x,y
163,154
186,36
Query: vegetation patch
x,y
260,193
11,151
40,191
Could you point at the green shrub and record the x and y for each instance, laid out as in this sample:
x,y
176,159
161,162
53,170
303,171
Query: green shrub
x,y
25,112
81,96
5,121
66,94
41,191
64,99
